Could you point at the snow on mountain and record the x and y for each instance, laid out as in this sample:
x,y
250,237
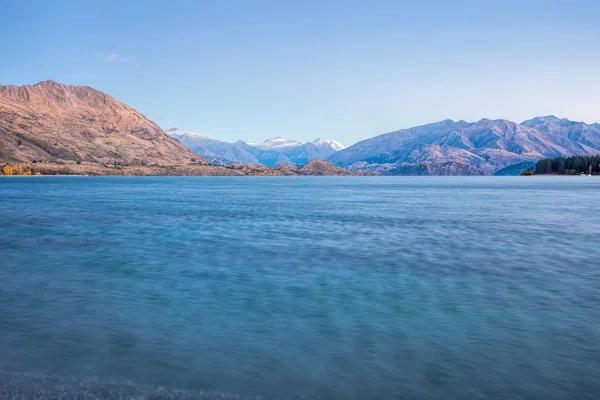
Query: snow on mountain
x,y
281,150
178,133
337,146
271,152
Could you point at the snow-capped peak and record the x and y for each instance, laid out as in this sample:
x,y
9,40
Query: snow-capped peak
x,y
173,131
178,134
337,146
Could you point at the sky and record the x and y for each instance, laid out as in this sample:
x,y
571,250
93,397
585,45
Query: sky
x,y
343,70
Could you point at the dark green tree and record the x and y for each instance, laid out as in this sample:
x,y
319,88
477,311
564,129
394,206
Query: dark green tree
x,y
560,168
576,164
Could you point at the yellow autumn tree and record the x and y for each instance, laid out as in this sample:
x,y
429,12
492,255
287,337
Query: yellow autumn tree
x,y
28,172
7,170
37,173
18,170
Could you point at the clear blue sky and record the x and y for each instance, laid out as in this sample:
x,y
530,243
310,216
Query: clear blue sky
x,y
343,70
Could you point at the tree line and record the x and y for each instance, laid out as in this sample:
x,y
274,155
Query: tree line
x,y
18,170
566,166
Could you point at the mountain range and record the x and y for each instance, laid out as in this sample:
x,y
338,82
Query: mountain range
x,y
442,148
270,152
487,145
51,121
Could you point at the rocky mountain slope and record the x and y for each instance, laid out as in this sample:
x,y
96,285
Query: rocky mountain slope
x,y
50,121
450,168
487,145
515,169
270,152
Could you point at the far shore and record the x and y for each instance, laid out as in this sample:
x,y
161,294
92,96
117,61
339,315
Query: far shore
x,y
190,169
72,168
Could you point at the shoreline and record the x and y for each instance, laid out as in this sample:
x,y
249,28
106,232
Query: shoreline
x,y
313,168
197,169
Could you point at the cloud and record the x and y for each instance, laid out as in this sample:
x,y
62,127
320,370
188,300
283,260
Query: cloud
x,y
116,57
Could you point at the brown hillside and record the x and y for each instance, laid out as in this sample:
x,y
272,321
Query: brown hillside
x,y
320,167
61,122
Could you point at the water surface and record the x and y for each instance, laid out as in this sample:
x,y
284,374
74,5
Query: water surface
x,y
291,287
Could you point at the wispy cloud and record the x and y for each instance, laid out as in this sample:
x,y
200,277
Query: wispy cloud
x,y
116,57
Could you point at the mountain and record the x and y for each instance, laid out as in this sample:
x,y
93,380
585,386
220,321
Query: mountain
x,y
265,156
488,145
270,153
564,131
382,145
281,150
214,151
301,154
50,121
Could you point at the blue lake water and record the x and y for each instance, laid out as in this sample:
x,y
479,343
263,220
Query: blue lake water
x,y
300,288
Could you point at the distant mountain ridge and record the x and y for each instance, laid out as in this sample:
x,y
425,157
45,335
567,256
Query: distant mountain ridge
x,y
487,145
270,153
215,151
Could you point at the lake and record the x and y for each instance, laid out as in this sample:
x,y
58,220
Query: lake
x,y
300,287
